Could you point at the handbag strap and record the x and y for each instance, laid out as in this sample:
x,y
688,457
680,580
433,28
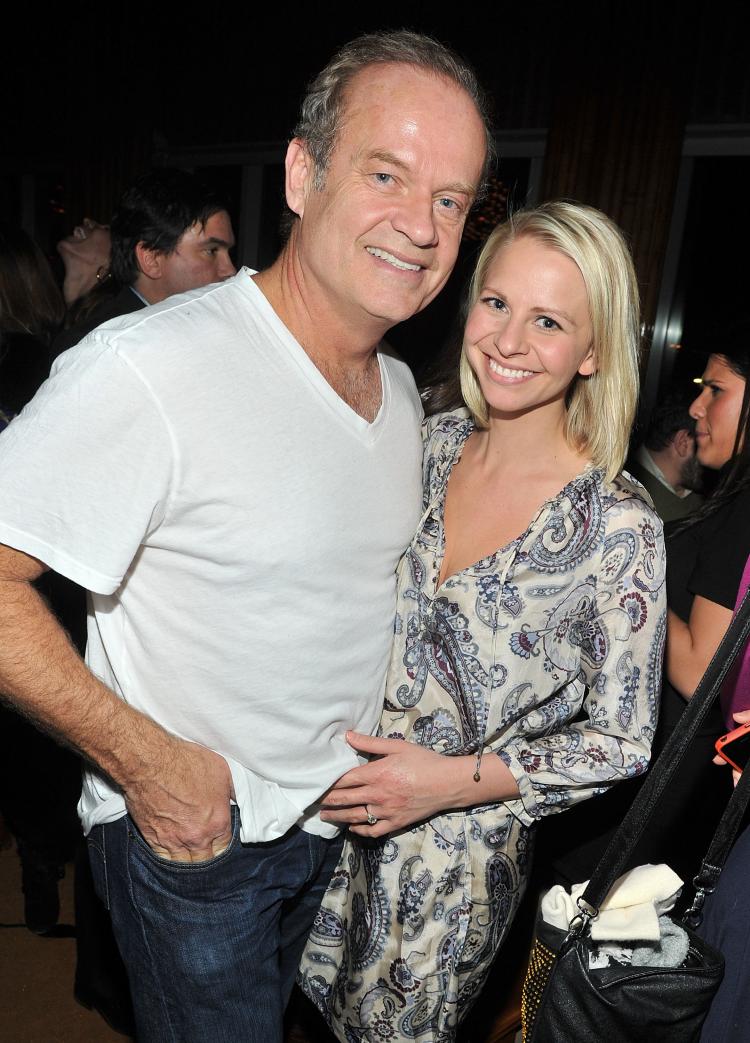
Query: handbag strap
x,y
622,845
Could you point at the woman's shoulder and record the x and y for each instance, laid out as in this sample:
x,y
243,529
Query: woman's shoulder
x,y
728,524
443,435
736,508
598,528
627,492
442,429
623,492
615,507
443,425
632,529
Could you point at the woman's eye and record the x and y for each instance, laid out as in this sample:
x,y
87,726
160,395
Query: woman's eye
x,y
547,323
495,303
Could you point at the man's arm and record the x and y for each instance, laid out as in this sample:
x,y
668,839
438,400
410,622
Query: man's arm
x,y
176,791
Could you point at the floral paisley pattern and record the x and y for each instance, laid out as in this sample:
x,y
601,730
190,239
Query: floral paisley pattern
x,y
547,654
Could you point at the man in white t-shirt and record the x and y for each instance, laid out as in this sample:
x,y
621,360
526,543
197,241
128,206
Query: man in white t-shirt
x,y
233,475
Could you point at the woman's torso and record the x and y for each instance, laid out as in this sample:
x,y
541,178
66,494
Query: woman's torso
x,y
494,655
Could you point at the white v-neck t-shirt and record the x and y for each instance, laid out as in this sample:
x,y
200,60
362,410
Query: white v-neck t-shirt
x,y
238,526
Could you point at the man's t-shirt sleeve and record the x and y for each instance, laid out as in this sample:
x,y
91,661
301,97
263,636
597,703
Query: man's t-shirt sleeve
x,y
86,469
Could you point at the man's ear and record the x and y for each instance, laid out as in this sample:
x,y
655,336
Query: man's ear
x,y
683,443
299,175
149,261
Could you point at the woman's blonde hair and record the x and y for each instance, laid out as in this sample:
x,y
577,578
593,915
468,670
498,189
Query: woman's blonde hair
x,y
601,407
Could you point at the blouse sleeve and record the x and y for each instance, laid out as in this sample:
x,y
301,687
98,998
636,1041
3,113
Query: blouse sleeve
x,y
608,632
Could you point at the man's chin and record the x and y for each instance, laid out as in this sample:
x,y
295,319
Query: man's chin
x,y
391,315
692,475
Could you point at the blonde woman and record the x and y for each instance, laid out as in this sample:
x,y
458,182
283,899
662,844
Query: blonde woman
x,y
527,658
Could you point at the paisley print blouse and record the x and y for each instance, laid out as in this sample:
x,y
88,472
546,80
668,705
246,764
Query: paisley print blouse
x,y
548,654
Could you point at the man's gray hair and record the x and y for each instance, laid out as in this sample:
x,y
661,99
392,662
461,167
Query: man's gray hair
x,y
324,102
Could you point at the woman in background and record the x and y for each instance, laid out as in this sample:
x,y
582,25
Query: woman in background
x,y
716,547
706,555
529,633
31,313
39,781
709,549
85,255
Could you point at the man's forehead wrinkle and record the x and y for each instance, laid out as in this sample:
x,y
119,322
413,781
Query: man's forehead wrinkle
x,y
356,101
383,155
407,163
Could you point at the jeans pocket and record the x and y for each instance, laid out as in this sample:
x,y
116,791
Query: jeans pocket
x,y
97,850
142,846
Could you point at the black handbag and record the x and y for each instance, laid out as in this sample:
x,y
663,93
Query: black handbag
x,y
566,1001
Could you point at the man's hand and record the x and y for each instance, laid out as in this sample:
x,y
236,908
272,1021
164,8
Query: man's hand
x,y
181,806
177,792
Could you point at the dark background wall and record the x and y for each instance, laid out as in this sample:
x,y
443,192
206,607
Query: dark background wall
x,y
92,82
92,95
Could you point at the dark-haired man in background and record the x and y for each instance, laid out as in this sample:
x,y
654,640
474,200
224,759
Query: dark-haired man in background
x,y
665,463
250,476
170,233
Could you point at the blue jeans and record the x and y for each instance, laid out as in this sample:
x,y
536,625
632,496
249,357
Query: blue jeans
x,y
211,948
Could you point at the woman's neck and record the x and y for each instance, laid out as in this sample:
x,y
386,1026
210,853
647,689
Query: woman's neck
x,y
529,444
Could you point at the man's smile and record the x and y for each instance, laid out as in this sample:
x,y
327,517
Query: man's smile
x,y
392,259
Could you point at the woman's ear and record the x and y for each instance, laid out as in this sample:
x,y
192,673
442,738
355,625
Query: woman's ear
x,y
588,366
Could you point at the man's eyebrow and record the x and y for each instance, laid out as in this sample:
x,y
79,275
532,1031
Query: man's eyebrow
x,y
384,156
214,240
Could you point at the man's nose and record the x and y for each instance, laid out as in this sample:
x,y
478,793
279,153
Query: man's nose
x,y
226,267
415,218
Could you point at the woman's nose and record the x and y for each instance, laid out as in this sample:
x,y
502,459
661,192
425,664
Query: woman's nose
x,y
510,340
697,406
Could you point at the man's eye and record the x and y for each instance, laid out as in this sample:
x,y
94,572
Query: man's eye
x,y
382,178
445,203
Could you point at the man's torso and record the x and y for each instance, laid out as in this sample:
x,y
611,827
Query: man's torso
x,y
241,538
